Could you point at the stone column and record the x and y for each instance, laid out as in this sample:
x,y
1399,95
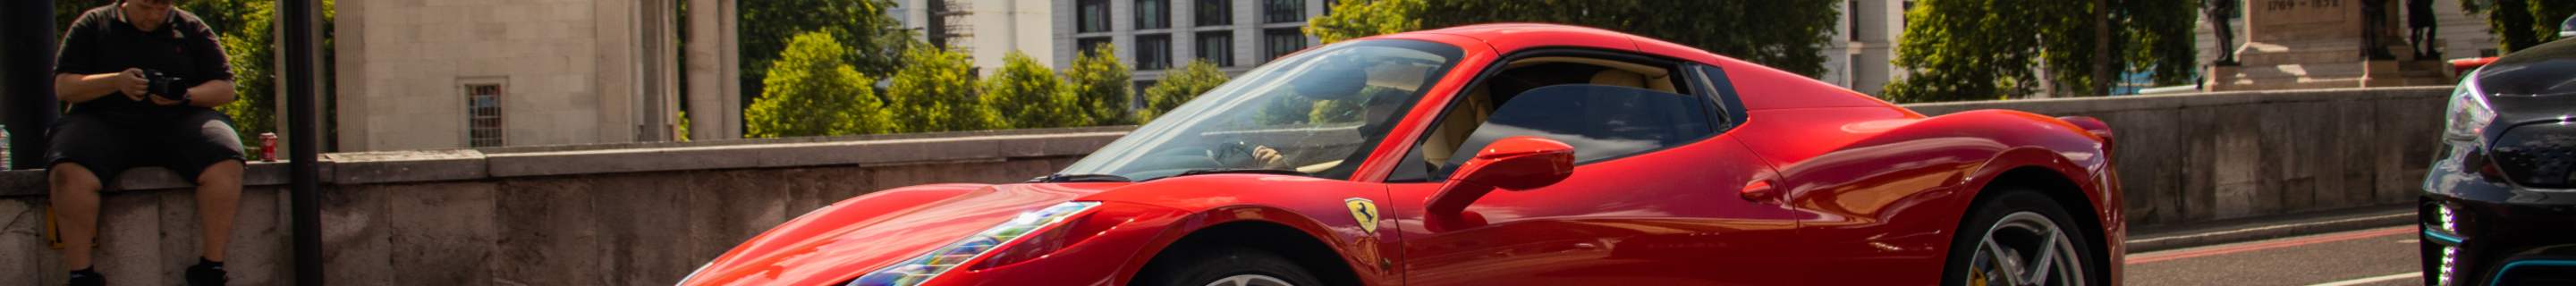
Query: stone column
x,y
715,96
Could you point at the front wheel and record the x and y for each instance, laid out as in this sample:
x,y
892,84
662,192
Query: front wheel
x,y
2018,238
1225,267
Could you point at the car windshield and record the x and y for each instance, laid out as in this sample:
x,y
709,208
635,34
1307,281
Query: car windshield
x,y
1313,113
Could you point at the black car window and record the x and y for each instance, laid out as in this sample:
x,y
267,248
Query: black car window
x,y
1601,122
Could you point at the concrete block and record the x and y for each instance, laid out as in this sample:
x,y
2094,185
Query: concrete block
x,y
181,231
23,183
441,234
408,166
129,250
356,236
25,258
261,248
647,221
549,233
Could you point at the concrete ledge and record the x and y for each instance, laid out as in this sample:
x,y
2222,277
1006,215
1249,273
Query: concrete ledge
x,y
406,166
415,166
796,155
2261,228
2058,106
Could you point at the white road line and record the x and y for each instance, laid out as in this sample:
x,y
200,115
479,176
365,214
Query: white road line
x,y
2373,279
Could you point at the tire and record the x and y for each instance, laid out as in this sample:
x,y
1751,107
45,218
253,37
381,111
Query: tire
x,y
2012,226
1229,266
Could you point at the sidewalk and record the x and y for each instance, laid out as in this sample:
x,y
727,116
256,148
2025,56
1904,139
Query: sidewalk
x,y
2147,239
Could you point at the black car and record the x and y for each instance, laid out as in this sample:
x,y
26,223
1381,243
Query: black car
x,y
2499,208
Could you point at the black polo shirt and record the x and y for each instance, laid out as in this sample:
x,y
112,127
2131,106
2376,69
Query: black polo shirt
x,y
102,41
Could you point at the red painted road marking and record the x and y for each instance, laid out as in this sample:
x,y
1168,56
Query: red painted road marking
x,y
2136,259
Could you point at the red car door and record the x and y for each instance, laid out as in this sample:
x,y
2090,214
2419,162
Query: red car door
x,y
1654,200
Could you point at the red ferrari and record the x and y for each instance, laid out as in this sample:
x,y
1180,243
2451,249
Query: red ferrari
x,y
1619,160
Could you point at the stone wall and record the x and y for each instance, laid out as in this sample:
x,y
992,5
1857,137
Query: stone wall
x,y
2200,157
647,213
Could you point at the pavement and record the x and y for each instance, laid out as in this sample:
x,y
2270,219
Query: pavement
x,y
2366,246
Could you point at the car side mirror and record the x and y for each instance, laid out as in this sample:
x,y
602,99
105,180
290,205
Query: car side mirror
x,y
1515,163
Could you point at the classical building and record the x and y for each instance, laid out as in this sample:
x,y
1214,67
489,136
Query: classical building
x,y
1154,35
985,29
1864,42
488,73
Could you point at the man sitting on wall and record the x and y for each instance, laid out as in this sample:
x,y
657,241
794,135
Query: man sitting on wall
x,y
142,78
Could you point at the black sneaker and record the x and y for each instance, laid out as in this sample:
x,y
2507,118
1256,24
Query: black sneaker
x,y
207,273
86,277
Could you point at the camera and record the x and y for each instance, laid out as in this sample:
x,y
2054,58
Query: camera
x,y
161,87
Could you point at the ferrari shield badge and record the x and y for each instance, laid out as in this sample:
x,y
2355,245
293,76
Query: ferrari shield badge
x,y
1364,211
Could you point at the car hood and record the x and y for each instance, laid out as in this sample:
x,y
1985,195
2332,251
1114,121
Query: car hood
x,y
862,234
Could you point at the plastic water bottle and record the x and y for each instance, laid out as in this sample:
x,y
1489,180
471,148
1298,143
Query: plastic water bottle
x,y
4,148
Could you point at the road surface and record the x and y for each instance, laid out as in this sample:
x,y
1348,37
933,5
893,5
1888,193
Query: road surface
x,y
2379,256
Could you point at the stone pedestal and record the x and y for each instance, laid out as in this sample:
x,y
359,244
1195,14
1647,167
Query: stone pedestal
x,y
2307,44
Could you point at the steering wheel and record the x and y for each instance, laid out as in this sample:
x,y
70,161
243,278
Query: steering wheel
x,y
1232,153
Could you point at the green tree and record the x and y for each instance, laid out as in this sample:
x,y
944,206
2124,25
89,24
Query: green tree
x,y
1026,94
814,91
935,92
2520,24
1362,18
1180,85
1098,84
1992,49
876,40
1784,34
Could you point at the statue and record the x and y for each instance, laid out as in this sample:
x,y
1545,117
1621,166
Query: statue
x,y
2374,19
2421,24
2219,12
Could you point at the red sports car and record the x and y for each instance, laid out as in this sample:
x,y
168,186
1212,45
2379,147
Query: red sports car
x,y
1621,160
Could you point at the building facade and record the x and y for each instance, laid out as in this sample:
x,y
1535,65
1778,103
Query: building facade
x,y
985,29
1154,35
492,73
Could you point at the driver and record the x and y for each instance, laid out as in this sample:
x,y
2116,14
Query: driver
x,y
1339,81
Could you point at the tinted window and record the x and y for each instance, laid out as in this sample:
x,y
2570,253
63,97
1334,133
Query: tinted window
x,y
1601,122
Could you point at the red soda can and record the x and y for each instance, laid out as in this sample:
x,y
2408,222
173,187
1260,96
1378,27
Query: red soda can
x,y
268,147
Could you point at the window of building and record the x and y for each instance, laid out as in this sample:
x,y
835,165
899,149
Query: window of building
x,y
1091,45
1217,48
1138,102
1851,18
1153,52
1280,42
1283,11
1153,14
483,115
1215,12
1091,16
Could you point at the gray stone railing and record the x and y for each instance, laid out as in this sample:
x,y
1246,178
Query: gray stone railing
x,y
646,213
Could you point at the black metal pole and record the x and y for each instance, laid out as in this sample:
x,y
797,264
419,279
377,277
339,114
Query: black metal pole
x,y
27,92
303,173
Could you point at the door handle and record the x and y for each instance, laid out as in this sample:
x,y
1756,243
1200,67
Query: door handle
x,y
1761,192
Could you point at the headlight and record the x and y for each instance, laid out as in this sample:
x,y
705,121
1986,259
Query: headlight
x,y
2450,223
2450,259
2469,112
929,265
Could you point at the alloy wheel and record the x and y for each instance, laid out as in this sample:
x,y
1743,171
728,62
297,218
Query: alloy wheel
x,y
2026,249
1249,280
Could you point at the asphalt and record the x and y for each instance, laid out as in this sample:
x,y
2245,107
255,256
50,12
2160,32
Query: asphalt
x,y
2350,247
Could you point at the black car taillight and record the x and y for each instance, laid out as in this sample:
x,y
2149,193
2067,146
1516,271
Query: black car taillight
x,y
2538,155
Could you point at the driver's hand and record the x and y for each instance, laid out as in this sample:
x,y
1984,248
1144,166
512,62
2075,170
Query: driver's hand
x,y
1268,158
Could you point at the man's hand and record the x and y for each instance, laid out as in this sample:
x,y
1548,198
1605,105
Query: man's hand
x,y
1268,158
133,85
